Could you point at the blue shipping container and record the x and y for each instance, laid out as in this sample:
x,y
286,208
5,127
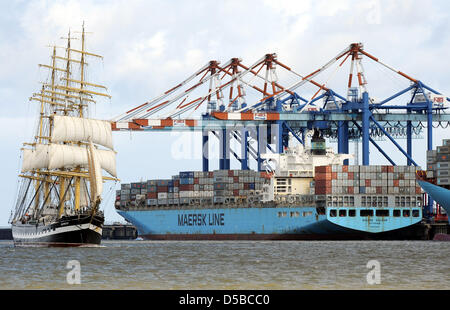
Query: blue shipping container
x,y
185,181
186,174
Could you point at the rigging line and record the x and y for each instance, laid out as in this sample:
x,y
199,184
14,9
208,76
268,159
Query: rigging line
x,y
20,209
48,195
34,196
65,192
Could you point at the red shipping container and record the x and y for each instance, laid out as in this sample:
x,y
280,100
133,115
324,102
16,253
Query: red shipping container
x,y
322,191
396,183
323,176
351,176
176,183
350,190
322,169
153,195
196,181
368,183
162,189
384,168
334,175
246,186
379,190
230,173
418,190
236,192
391,169
323,183
236,179
344,168
186,187
265,175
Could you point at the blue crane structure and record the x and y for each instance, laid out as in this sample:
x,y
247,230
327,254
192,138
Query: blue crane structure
x,y
283,111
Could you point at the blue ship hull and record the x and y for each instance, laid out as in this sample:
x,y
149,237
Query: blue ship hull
x,y
439,194
266,223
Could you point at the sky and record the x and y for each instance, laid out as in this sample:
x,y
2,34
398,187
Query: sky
x,y
151,46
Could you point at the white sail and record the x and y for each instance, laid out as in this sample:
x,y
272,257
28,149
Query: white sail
x,y
69,128
107,161
27,159
84,198
57,156
66,156
35,159
95,173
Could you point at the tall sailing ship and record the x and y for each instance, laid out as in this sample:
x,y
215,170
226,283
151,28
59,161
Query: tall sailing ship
x,y
61,180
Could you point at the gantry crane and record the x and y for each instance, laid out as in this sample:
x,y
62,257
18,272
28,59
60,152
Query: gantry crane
x,y
257,107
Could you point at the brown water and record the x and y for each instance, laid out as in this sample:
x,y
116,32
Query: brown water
x,y
230,265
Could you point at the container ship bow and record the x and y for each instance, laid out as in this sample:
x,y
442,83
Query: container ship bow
x,y
61,180
308,194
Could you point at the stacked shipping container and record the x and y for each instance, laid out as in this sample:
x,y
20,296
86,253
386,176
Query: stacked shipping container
x,y
438,164
193,186
385,180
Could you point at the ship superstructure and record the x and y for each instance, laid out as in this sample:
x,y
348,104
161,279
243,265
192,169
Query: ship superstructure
x,y
59,196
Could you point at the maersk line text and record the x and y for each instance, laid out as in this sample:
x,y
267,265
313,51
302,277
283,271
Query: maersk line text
x,y
199,219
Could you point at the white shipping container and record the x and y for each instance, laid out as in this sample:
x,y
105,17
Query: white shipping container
x,y
443,173
162,195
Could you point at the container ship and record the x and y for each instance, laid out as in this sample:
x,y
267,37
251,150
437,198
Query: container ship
x,y
308,194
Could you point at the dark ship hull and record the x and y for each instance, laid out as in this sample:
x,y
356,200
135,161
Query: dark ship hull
x,y
69,231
